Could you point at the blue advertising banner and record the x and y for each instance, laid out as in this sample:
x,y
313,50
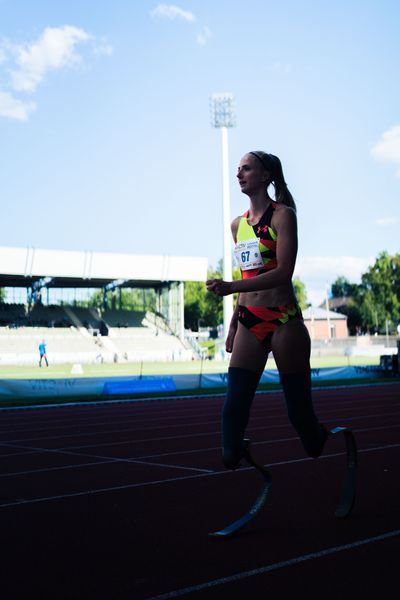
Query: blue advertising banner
x,y
139,385
113,386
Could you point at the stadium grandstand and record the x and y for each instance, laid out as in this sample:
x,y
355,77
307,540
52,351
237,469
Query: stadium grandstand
x,y
38,288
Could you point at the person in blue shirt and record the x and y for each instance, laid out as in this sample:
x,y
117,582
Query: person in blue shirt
x,y
42,352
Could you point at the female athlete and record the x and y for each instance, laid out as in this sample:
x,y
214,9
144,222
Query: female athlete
x,y
267,316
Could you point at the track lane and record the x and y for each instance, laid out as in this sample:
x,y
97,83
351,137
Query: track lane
x,y
146,536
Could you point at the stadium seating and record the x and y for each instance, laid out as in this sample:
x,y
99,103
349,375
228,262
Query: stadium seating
x,y
48,316
123,318
88,317
72,334
12,314
141,343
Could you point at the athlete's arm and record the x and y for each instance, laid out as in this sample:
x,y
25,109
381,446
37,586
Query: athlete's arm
x,y
232,328
234,320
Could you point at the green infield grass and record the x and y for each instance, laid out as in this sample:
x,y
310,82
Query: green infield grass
x,y
159,368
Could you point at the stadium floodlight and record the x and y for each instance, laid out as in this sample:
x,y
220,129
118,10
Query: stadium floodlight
x,y
222,117
222,110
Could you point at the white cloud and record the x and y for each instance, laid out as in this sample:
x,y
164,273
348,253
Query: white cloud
x,y
171,12
55,49
203,36
332,266
28,64
385,221
318,272
12,108
387,148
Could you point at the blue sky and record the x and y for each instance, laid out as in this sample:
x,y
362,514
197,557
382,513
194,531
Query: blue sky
x,y
106,142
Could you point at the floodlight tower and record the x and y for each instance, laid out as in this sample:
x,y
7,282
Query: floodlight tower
x,y
222,117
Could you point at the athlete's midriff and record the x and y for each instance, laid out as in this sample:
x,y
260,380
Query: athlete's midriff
x,y
255,252
278,296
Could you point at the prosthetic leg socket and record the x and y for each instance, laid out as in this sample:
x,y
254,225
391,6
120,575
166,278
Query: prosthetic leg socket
x,y
298,396
242,386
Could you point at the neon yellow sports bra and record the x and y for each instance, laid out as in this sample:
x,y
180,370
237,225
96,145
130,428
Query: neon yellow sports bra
x,y
255,250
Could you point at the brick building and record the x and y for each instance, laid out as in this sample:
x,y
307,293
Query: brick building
x,y
325,324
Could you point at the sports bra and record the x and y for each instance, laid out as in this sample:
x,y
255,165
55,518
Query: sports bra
x,y
255,250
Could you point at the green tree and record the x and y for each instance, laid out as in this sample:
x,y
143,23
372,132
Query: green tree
x,y
131,299
379,294
354,316
195,304
374,303
138,299
350,294
371,313
201,307
342,288
3,295
301,293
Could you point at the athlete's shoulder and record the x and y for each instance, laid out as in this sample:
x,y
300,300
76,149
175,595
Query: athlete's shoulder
x,y
283,211
283,216
279,207
236,221
235,226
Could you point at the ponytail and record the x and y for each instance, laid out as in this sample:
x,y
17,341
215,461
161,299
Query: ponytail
x,y
272,164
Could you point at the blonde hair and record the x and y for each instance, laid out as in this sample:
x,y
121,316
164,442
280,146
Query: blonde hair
x,y
273,165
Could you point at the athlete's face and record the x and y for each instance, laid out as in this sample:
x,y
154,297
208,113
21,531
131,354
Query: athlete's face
x,y
251,175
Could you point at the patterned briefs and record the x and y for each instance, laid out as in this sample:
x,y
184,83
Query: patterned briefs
x,y
264,321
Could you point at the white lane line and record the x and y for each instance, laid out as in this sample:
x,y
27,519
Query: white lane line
x,y
182,478
109,489
86,410
133,413
275,566
259,413
102,462
175,437
217,432
321,397
63,468
260,443
154,464
111,432
130,430
34,450
102,459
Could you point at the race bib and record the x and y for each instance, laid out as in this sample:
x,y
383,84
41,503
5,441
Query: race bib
x,y
248,255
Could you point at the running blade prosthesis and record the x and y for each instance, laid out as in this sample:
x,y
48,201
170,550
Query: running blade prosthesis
x,y
258,504
347,495
348,492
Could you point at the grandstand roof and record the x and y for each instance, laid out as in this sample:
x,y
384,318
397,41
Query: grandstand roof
x,y
22,267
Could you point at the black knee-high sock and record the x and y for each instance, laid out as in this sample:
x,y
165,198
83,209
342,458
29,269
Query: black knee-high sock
x,y
297,390
242,385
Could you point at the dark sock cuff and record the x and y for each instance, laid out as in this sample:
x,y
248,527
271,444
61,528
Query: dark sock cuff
x,y
243,379
296,379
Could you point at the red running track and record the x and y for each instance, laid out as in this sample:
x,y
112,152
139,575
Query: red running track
x,y
115,501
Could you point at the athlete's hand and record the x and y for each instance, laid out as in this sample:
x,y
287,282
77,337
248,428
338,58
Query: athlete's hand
x,y
230,337
219,287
